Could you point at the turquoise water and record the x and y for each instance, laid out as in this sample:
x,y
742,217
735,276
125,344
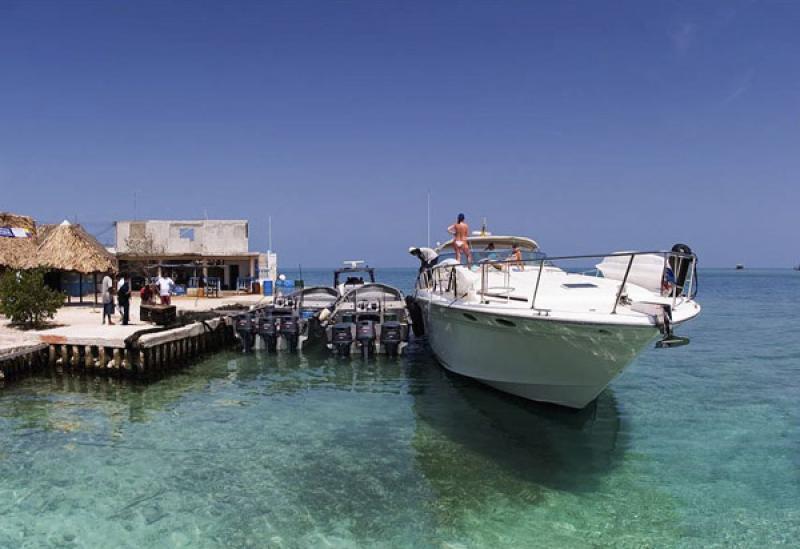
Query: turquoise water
x,y
697,446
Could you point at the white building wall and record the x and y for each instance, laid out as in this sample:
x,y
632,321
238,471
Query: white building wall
x,y
210,237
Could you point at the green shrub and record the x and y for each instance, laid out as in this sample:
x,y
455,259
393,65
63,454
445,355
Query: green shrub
x,y
26,300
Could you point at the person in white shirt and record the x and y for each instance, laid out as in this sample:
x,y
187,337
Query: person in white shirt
x,y
108,297
165,285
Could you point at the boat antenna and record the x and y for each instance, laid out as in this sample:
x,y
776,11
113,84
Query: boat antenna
x,y
429,218
269,247
302,294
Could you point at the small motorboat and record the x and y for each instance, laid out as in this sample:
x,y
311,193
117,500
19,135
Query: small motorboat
x,y
352,276
739,267
369,318
290,323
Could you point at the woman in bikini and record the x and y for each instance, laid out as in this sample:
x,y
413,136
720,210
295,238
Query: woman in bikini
x,y
516,257
460,232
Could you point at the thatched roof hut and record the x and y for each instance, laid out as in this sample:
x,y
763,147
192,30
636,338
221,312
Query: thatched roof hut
x,y
68,247
18,253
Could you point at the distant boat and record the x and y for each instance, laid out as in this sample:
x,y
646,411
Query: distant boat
x,y
739,266
796,267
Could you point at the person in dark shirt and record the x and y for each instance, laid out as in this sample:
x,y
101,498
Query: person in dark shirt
x,y
124,300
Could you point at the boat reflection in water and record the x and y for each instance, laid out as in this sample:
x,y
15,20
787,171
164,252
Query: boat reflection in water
x,y
467,432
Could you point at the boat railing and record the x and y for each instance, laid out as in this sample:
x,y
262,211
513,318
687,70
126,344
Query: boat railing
x,y
678,275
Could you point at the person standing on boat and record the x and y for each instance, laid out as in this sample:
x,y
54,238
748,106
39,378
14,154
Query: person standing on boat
x,y
460,232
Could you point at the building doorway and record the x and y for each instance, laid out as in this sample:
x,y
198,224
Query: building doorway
x,y
234,277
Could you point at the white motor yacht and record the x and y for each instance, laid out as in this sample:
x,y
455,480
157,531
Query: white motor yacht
x,y
555,330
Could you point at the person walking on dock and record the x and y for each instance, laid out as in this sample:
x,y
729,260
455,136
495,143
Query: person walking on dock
x,y
165,285
108,298
124,300
460,232
120,282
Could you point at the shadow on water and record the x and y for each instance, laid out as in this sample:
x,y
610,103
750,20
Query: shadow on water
x,y
465,426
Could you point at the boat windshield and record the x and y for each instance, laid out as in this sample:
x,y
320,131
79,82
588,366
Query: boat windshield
x,y
497,254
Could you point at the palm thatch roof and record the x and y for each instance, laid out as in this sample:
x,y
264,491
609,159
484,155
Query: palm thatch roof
x,y
18,253
68,247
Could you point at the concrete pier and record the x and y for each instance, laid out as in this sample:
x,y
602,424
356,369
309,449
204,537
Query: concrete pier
x,y
22,361
142,353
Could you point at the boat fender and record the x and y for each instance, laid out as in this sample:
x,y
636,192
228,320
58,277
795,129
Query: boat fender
x,y
415,312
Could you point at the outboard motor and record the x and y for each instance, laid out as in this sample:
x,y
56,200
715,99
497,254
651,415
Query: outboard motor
x,y
391,337
290,330
268,331
680,266
244,328
342,338
365,335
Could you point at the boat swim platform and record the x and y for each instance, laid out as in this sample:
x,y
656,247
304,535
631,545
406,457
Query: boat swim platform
x,y
136,351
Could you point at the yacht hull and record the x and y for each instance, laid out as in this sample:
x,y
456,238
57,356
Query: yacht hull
x,y
537,358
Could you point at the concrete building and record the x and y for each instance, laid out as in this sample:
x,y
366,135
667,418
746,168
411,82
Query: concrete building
x,y
218,249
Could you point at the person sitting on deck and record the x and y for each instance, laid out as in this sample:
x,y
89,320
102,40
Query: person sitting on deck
x,y
491,256
460,232
515,258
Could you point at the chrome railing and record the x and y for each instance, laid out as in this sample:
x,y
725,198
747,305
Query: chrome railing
x,y
442,278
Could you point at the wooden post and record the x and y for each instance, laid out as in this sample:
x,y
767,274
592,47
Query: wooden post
x,y
101,357
88,359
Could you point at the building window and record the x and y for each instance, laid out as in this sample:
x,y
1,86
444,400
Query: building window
x,y
186,233
136,231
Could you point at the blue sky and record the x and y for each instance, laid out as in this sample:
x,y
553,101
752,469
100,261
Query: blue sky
x,y
590,126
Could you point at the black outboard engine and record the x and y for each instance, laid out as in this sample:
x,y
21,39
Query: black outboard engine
x,y
391,337
245,329
680,265
342,338
365,335
290,330
268,330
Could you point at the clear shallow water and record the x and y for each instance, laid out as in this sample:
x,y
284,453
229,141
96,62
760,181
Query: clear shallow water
x,y
696,446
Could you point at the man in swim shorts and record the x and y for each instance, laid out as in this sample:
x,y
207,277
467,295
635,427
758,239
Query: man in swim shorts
x,y
460,232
